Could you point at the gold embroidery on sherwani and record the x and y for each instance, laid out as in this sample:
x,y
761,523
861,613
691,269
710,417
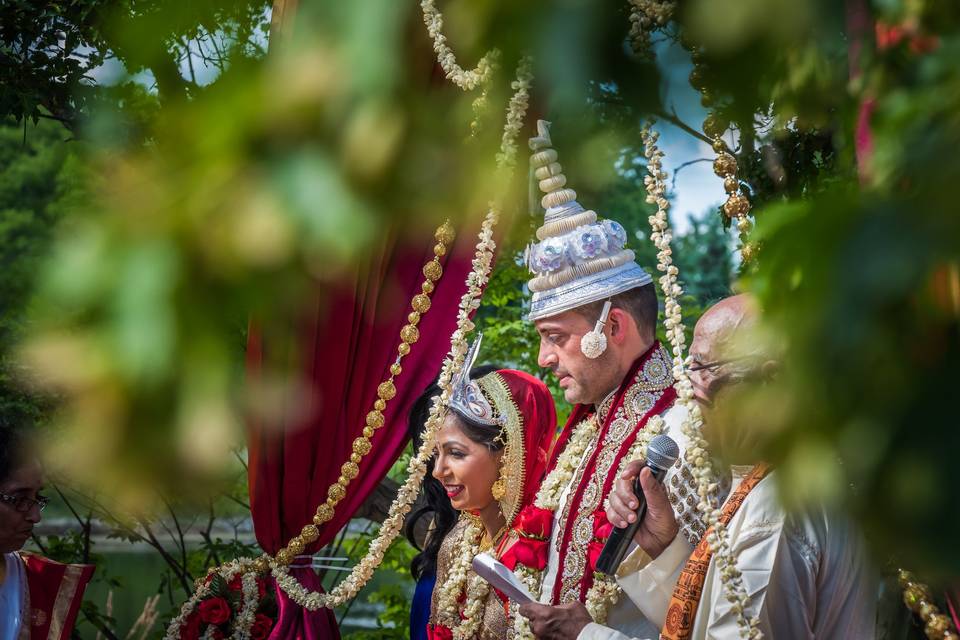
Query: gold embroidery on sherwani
x,y
651,381
574,482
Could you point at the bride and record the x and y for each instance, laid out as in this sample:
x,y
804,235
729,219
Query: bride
x,y
491,454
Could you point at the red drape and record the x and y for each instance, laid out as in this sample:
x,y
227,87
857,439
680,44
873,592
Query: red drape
x,y
345,347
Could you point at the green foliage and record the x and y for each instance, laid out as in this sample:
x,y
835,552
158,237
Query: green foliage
x,y
391,590
52,54
871,316
40,179
704,258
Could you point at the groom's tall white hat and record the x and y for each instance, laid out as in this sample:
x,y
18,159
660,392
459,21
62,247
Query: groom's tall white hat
x,y
577,260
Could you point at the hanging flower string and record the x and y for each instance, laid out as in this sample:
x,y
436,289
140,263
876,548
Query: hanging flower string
x,y
697,453
363,571
466,80
645,17
481,76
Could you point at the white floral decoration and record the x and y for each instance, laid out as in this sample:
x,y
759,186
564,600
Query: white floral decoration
x,y
456,583
697,451
466,80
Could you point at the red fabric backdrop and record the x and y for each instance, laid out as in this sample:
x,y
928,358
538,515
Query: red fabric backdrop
x,y
346,344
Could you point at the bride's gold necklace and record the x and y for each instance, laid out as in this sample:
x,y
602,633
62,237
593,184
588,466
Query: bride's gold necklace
x,y
486,541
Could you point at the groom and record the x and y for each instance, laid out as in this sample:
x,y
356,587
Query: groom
x,y
596,312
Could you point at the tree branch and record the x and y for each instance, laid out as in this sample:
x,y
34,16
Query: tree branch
x,y
182,573
675,120
673,181
176,522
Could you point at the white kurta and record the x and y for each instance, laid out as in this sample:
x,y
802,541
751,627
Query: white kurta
x,y
12,596
807,576
624,616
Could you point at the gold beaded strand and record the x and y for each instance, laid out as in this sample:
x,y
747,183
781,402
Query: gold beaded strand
x,y
737,206
919,599
386,391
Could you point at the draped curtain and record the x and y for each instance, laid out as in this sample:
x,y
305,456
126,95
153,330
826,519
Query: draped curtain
x,y
343,349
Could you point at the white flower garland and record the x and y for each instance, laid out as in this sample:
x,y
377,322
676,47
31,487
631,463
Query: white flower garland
x,y
605,592
516,110
477,593
697,452
466,80
548,497
448,600
251,598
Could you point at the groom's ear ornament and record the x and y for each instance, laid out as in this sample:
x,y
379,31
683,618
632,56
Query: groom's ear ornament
x,y
594,343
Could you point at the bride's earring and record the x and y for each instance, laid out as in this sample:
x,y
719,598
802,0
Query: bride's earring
x,y
499,489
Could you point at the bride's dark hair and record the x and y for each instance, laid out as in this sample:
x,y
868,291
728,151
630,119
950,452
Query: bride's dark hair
x,y
434,501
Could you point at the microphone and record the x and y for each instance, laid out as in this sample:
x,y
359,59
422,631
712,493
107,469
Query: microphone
x,y
662,452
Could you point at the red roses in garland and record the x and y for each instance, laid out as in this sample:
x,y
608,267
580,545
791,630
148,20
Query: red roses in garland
x,y
214,611
601,531
533,525
223,604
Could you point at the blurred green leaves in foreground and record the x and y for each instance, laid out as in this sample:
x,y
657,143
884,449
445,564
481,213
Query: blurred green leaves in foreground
x,y
210,196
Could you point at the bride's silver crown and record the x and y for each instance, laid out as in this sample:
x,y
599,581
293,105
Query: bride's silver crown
x,y
467,400
578,260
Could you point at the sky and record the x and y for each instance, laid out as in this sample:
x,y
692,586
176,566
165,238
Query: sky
x,y
697,188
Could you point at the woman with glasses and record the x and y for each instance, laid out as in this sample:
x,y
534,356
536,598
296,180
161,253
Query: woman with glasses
x,y
39,598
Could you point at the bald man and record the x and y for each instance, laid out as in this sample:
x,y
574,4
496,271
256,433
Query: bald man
x,y
805,574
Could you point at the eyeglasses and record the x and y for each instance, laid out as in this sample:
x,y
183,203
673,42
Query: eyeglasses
x,y
713,366
23,504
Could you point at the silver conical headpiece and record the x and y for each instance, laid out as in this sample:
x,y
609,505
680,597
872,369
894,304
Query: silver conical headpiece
x,y
577,260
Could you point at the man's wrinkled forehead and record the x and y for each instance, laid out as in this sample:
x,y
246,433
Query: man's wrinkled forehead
x,y
566,322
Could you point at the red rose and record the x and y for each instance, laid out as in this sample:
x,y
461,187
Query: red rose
x,y
262,625
601,526
214,611
594,549
235,584
529,552
439,632
261,588
191,628
534,522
